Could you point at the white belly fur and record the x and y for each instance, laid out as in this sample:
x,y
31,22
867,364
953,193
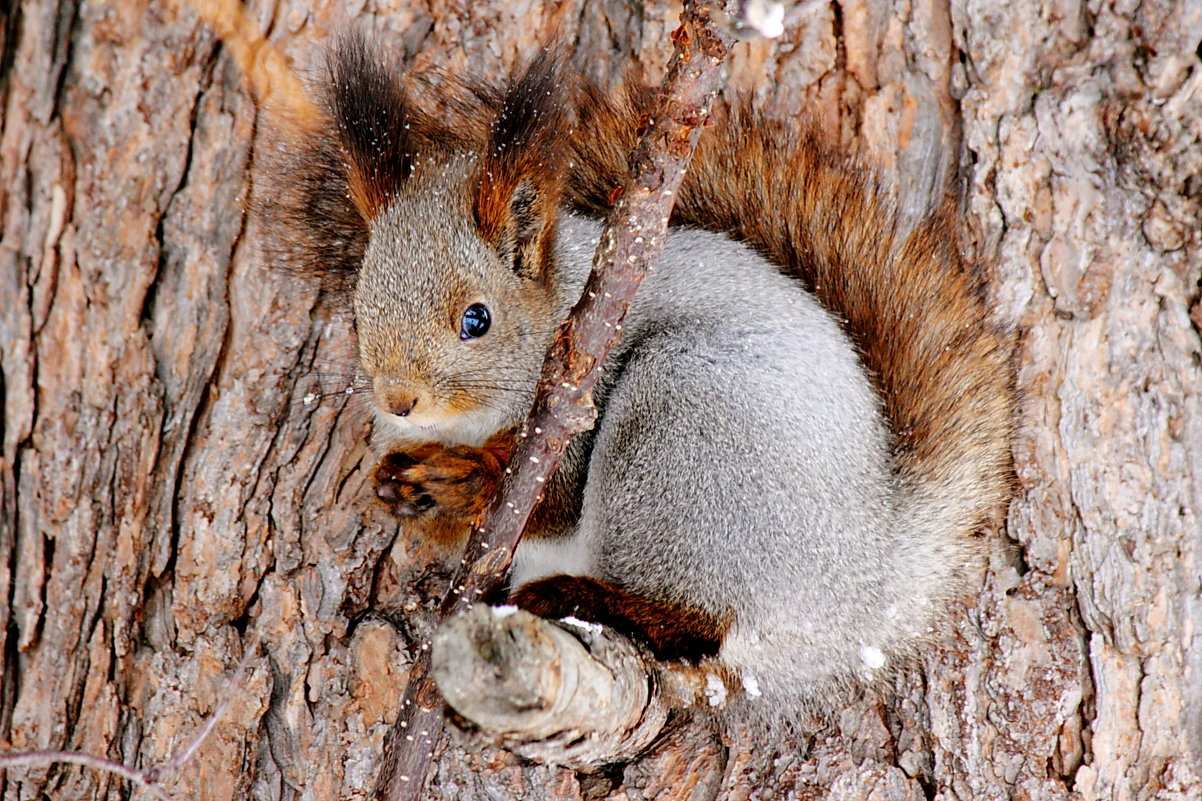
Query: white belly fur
x,y
538,558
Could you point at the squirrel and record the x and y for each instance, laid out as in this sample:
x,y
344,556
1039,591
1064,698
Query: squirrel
x,y
801,434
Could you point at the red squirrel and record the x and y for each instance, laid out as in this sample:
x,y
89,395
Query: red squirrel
x,y
800,435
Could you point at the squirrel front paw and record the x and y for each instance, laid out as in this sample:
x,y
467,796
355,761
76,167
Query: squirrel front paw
x,y
434,480
400,492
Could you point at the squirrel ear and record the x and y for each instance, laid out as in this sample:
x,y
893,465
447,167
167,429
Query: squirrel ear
x,y
522,169
531,228
372,116
523,207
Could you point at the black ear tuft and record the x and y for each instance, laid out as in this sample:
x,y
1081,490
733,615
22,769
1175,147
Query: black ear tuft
x,y
535,111
373,120
319,187
522,170
310,228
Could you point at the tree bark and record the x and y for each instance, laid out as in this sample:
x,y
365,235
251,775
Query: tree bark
x,y
165,494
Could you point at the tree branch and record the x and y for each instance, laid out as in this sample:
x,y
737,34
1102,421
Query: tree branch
x,y
578,695
564,692
630,244
274,84
31,759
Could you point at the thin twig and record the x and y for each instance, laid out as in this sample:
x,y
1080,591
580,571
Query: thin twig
x,y
629,246
44,758
231,684
148,780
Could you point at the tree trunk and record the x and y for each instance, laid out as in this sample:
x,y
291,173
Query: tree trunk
x,y
167,494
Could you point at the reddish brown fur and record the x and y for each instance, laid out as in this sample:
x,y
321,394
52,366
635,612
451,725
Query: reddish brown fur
x,y
383,132
520,176
445,489
671,631
320,184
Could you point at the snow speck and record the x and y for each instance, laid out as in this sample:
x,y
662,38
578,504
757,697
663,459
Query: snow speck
x,y
872,657
766,18
715,690
581,625
752,685
504,611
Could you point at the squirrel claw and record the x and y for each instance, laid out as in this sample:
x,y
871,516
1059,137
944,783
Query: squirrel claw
x,y
406,500
405,497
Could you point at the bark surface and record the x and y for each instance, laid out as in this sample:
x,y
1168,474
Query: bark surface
x,y
167,492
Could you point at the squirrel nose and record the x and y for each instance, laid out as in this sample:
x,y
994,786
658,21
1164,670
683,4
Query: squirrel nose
x,y
403,406
396,396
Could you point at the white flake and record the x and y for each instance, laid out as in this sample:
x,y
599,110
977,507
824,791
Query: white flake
x,y
582,625
872,657
752,685
715,690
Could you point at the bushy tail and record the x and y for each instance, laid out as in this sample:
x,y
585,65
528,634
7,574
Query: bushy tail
x,y
913,306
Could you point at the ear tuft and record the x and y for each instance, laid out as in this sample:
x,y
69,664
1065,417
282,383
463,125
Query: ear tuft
x,y
522,169
373,117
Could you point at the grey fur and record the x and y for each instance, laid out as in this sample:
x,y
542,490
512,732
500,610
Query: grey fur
x,y
740,461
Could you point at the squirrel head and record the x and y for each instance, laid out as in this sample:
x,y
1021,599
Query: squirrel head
x,y
456,296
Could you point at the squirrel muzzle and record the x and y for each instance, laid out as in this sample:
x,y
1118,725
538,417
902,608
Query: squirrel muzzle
x,y
399,397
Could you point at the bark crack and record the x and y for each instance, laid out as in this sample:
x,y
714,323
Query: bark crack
x,y
65,23
10,40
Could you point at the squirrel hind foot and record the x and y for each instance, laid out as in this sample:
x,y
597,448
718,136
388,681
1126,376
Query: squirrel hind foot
x,y
671,631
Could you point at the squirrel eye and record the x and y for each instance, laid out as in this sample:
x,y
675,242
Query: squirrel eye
x,y
475,322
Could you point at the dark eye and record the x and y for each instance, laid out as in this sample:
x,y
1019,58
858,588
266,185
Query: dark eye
x,y
475,322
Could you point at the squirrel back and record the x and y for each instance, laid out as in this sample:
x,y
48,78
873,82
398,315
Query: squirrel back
x,y
805,424
915,309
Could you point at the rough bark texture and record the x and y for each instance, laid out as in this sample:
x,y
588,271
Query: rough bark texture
x,y
165,495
